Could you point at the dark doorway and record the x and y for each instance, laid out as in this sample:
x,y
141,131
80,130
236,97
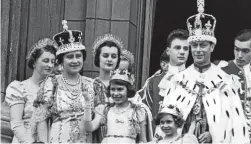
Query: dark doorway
x,y
232,16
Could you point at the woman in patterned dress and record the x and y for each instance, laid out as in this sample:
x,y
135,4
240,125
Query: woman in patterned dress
x,y
60,97
106,52
21,94
123,121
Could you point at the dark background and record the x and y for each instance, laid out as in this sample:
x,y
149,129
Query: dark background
x,y
232,16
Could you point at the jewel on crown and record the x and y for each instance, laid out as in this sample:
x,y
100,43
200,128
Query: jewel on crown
x,y
201,24
68,40
122,75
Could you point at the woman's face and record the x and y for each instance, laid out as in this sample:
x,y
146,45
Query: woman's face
x,y
167,125
45,63
108,58
73,62
118,93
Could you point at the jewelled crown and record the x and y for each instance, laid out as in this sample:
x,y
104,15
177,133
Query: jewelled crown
x,y
122,75
107,37
128,56
201,26
171,109
68,40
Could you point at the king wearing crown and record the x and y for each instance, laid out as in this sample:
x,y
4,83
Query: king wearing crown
x,y
204,92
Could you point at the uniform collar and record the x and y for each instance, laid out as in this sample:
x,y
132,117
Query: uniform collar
x,y
176,69
202,68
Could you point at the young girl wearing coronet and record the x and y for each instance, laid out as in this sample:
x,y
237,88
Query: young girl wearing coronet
x,y
123,120
170,120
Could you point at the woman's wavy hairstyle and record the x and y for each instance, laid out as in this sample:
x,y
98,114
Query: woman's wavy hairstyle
x,y
43,45
60,57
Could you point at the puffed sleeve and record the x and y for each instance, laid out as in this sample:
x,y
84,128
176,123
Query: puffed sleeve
x,y
44,101
14,94
141,115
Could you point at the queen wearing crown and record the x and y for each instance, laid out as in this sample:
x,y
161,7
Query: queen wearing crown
x,y
204,92
122,120
60,98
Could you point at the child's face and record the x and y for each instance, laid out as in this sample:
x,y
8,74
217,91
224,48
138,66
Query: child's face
x,y
168,125
118,93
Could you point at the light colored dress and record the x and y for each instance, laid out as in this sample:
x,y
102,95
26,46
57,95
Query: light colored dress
x,y
121,127
23,92
66,109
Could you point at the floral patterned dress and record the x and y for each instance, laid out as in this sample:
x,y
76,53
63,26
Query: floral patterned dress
x,y
121,127
66,109
100,98
23,92
100,91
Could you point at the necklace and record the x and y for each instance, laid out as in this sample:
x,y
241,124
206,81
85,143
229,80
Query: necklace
x,y
122,111
65,80
74,90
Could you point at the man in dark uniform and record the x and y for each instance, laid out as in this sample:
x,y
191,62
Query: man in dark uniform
x,y
242,53
172,61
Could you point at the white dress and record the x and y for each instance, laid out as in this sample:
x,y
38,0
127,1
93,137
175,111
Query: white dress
x,y
23,92
121,127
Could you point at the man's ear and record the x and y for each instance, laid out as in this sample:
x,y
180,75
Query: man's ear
x,y
212,47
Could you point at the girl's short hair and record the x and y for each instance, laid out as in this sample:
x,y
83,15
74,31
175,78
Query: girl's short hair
x,y
177,120
38,52
130,90
60,57
98,52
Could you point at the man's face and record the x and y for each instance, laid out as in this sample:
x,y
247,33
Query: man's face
x,y
201,52
242,52
178,52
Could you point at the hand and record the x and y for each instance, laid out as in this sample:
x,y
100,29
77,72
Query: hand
x,y
205,138
84,89
192,127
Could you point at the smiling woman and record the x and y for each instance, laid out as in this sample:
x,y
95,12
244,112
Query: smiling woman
x,y
21,94
60,97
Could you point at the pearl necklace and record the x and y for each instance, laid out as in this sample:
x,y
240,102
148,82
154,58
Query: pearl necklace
x,y
65,80
75,91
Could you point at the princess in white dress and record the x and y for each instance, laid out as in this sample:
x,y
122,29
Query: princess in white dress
x,y
124,121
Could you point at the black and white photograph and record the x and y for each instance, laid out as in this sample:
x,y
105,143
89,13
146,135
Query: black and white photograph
x,y
126,71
